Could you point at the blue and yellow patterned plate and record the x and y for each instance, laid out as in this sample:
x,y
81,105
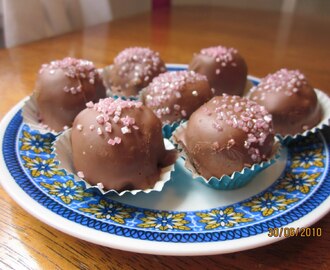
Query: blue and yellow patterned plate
x,y
186,217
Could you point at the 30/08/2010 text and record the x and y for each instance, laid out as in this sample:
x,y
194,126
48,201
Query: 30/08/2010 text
x,y
291,231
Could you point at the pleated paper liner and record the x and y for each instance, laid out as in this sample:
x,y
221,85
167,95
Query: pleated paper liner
x,y
63,154
31,116
237,179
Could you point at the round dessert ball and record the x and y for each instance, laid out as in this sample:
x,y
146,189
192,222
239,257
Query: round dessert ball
x,y
291,100
227,134
119,144
176,95
62,89
224,67
133,69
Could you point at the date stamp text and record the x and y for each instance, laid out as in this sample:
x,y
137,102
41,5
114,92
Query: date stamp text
x,y
292,231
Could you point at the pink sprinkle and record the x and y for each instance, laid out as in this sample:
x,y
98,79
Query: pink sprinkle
x,y
183,113
117,140
114,141
79,127
116,119
100,119
268,118
91,127
127,121
90,104
111,142
99,131
108,127
80,174
73,90
125,130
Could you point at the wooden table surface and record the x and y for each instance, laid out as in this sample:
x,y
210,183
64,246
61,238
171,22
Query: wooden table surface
x,y
267,40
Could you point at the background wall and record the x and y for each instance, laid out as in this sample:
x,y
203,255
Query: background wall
x,y
45,18
114,9
321,7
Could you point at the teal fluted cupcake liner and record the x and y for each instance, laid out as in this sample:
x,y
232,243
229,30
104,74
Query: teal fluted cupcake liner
x,y
168,129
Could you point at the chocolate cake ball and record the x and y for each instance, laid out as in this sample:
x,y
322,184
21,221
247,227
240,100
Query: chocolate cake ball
x,y
176,95
119,144
224,67
227,134
62,89
133,69
290,99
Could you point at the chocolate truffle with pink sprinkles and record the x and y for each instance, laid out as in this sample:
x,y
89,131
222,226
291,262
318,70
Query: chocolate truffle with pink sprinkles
x,y
174,96
225,135
291,100
133,69
118,144
62,89
224,67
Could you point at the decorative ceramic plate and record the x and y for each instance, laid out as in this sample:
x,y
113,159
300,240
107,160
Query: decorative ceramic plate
x,y
186,217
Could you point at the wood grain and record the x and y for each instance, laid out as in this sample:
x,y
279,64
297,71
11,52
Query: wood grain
x,y
267,40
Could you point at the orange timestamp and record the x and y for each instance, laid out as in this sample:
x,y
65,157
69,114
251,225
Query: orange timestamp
x,y
292,231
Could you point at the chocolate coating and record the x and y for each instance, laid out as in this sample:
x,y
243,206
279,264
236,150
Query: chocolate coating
x,y
225,135
174,96
119,144
62,89
133,69
290,99
225,69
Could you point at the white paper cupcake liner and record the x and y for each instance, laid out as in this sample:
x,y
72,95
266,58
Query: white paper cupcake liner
x,y
324,102
235,180
31,117
63,154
